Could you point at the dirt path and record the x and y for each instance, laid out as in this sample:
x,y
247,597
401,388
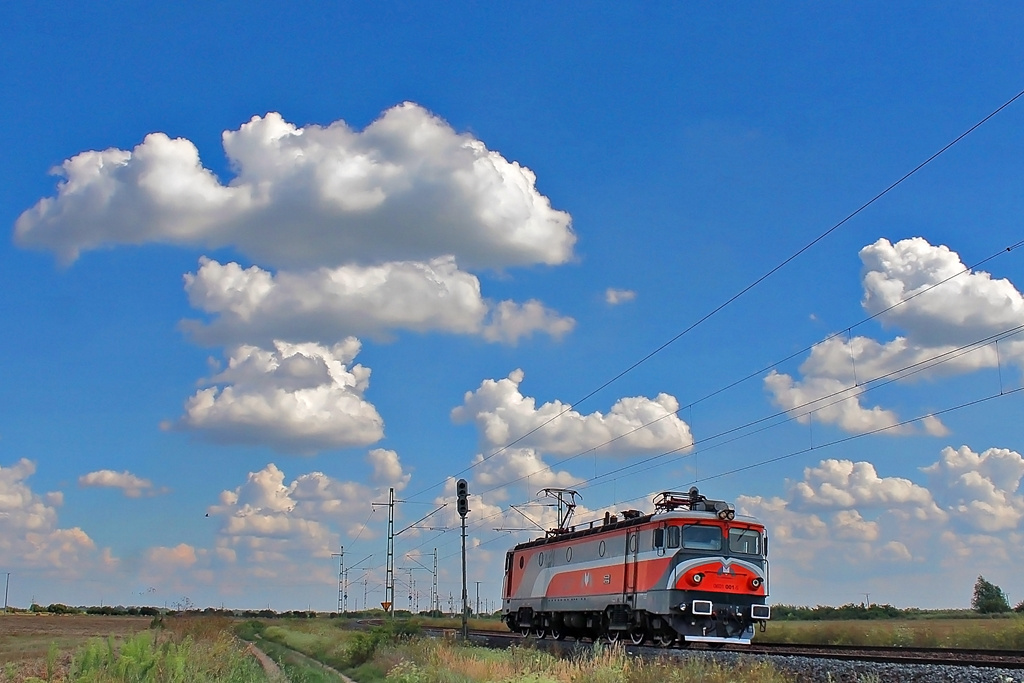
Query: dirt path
x,y
274,673
270,667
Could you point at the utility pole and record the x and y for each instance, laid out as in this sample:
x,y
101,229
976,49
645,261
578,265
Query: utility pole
x,y
389,574
344,604
477,597
7,588
436,598
341,579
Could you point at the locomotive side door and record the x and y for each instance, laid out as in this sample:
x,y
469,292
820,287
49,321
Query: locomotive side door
x,y
508,574
629,578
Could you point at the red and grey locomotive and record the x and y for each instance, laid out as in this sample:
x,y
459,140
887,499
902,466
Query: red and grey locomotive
x,y
693,571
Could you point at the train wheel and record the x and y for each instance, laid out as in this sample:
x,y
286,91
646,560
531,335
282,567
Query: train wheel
x,y
525,630
558,633
612,636
542,633
664,639
637,636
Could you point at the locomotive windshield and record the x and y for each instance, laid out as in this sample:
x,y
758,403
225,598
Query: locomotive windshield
x,y
745,541
702,537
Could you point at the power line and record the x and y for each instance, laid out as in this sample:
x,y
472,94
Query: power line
x,y
756,373
743,291
852,437
844,394
960,406
728,302
838,396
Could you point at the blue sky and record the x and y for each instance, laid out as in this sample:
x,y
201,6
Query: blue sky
x,y
266,262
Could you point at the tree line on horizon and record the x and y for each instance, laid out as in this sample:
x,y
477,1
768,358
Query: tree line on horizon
x,y
988,598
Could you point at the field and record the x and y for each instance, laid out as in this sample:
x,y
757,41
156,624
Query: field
x,y
27,640
104,649
981,633
57,647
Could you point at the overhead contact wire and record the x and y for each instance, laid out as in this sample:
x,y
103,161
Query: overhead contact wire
x,y
741,292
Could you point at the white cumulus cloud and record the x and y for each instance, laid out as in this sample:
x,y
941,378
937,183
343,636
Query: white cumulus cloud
x,y
255,305
29,535
131,485
294,398
937,323
407,187
965,308
981,490
845,519
633,425
844,484
501,414
269,520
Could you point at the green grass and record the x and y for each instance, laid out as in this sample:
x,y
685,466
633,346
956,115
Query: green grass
x,y
324,641
979,633
390,655
188,649
143,659
438,661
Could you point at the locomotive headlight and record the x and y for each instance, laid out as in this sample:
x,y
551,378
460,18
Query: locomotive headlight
x,y
697,578
756,582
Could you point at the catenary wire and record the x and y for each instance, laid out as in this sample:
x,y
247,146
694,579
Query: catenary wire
x,y
846,439
792,413
743,291
756,373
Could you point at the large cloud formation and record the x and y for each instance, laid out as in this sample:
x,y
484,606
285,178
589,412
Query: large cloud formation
x,y
29,535
502,413
633,425
938,322
268,524
255,305
406,187
272,529
293,398
349,233
846,521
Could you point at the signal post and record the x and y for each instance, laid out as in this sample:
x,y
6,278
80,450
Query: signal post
x,y
462,492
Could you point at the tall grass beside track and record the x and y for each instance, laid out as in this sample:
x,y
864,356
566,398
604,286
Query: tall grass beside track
x,y
394,654
434,661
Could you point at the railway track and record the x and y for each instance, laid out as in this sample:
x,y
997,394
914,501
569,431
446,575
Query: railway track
x,y
1002,659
